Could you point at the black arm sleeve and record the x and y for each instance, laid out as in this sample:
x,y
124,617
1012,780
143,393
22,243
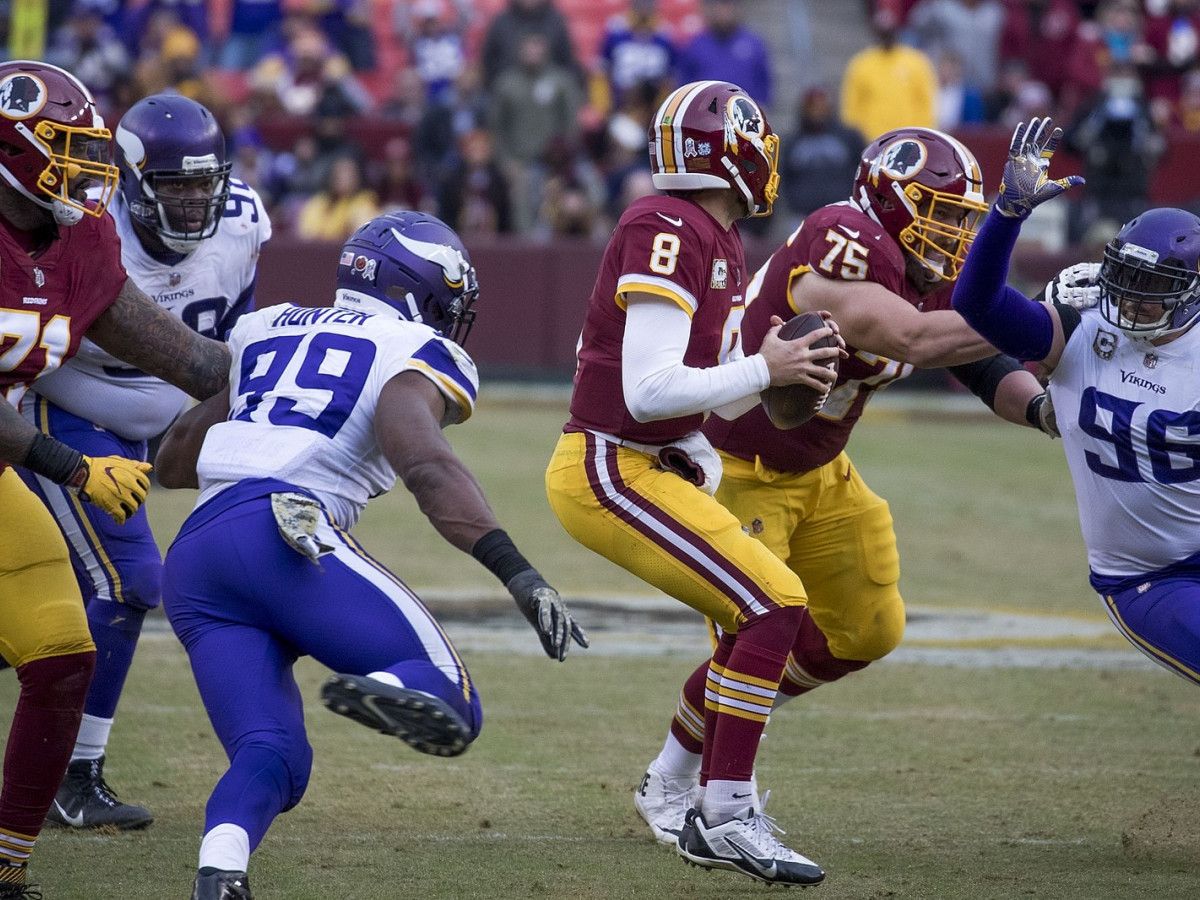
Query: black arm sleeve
x,y
983,376
1070,318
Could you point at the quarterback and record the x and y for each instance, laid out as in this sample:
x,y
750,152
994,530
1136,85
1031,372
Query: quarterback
x,y
325,408
61,278
1124,387
632,476
190,238
883,264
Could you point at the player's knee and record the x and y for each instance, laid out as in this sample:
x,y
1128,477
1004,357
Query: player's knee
x,y
141,584
57,681
283,760
299,764
876,636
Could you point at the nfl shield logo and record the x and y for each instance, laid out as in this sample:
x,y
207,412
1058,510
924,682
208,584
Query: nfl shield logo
x,y
1150,360
720,274
39,277
174,278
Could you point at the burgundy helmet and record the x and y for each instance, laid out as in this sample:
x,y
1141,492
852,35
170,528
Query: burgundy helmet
x,y
711,134
53,143
925,189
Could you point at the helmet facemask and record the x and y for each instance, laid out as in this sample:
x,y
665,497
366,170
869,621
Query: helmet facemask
x,y
749,140
942,229
183,207
1143,297
79,178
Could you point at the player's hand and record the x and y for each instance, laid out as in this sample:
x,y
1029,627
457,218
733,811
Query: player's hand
x,y
797,361
115,484
1026,182
1041,415
547,613
1077,286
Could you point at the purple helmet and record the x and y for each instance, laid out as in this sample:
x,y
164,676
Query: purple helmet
x,y
1150,276
174,174
416,266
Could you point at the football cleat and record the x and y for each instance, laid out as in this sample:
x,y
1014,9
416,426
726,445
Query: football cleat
x,y
746,844
220,884
663,802
85,800
13,886
424,722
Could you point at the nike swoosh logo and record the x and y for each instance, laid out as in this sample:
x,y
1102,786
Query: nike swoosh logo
x,y
75,820
678,223
740,796
849,231
767,871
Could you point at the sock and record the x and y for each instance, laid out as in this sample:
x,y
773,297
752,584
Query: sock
x,y
810,664
93,738
14,856
115,629
225,847
688,724
676,760
723,800
43,731
740,696
719,658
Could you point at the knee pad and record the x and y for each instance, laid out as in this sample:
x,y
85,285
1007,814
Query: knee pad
x,y
873,635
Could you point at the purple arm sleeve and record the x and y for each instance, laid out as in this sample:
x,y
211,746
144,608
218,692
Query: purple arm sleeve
x,y
1012,323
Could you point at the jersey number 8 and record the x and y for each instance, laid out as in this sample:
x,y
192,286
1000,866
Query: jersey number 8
x,y
666,253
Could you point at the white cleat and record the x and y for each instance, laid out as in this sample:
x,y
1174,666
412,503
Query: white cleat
x,y
663,802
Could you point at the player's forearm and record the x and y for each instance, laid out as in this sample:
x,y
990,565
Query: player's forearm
x,y
1012,323
932,340
16,435
1013,396
450,497
136,331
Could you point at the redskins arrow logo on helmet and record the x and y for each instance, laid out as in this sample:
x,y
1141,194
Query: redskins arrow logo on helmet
x,y
711,134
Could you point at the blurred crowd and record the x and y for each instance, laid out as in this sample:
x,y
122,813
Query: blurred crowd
x,y
496,116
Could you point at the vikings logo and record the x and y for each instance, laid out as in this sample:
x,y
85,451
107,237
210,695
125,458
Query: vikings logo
x,y
903,159
21,96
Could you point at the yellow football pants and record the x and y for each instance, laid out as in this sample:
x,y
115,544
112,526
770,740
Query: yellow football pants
x,y
666,531
41,609
836,534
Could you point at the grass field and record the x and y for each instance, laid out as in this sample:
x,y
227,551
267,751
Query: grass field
x,y
904,782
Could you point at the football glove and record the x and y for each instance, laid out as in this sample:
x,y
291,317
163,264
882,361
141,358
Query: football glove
x,y
547,613
1040,414
115,484
1026,183
1076,286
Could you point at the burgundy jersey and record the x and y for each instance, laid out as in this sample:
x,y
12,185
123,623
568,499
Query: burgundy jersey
x,y
840,242
47,302
676,250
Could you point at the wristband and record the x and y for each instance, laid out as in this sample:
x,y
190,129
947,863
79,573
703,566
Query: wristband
x,y
500,556
1033,410
55,460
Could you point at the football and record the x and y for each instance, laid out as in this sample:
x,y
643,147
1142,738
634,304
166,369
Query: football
x,y
791,405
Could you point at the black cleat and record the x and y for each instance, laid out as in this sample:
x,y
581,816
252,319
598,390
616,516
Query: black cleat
x,y
745,844
219,884
85,800
13,886
423,721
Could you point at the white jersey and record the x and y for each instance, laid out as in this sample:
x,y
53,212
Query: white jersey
x,y
304,384
1129,413
208,289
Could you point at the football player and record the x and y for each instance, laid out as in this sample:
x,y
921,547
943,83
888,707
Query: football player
x,y
1123,380
190,237
883,264
325,408
61,278
632,476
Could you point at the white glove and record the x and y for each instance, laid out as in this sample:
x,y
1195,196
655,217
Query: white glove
x,y
1076,286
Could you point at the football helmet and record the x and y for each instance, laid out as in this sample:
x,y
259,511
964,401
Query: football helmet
x,y
174,174
54,147
1150,276
413,265
925,189
711,134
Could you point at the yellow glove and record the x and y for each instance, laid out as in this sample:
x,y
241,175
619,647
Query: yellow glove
x,y
115,484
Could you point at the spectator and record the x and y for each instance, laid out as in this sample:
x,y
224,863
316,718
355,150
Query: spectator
x,y
1031,99
970,29
304,73
1120,146
253,33
396,186
176,65
436,48
347,24
636,51
341,207
474,196
1174,36
136,17
888,85
534,102
820,157
572,194
1187,111
295,177
1041,34
958,103
91,51
505,36
1113,40
726,50
625,142
405,100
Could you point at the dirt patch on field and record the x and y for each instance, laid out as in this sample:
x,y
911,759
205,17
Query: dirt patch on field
x,y
1167,831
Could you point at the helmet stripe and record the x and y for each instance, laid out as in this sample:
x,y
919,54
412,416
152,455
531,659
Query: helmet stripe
x,y
969,165
668,140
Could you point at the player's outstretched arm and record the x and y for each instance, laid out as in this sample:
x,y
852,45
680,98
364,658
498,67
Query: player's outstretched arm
x,y
175,463
115,484
408,427
135,330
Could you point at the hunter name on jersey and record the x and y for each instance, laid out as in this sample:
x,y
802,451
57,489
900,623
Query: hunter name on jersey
x,y
318,373
208,289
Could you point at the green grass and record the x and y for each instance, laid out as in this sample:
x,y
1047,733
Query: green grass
x,y
904,781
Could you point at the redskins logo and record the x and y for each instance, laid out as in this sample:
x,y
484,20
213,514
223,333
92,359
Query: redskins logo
x,y
903,159
21,96
745,117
